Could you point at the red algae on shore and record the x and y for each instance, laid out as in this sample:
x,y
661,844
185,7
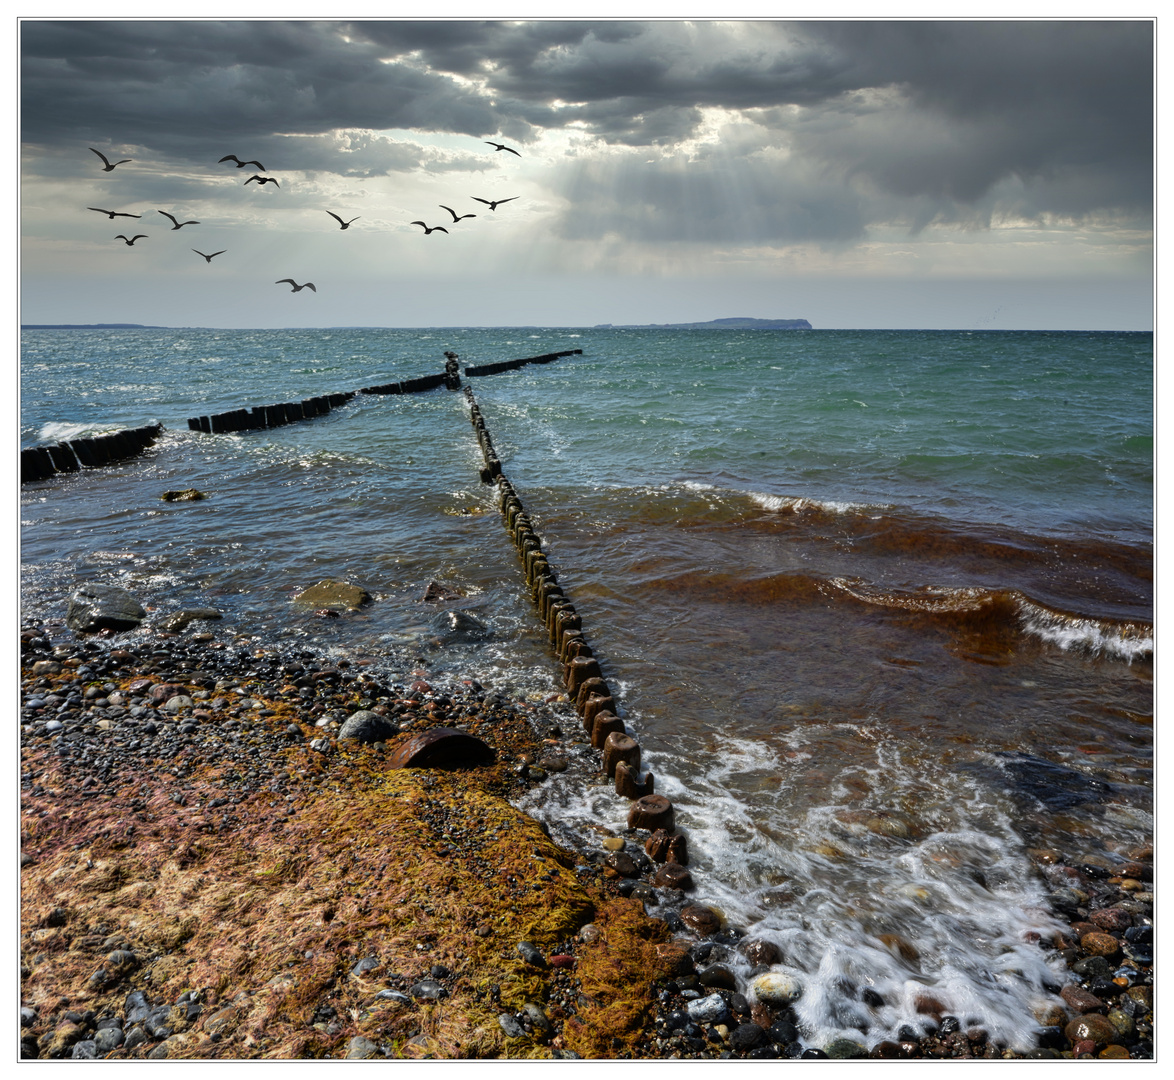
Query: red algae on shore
x,y
355,911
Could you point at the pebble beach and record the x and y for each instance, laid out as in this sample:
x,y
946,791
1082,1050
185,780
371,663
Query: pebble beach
x,y
212,869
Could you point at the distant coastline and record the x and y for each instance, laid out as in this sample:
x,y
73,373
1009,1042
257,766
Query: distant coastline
x,y
92,326
714,324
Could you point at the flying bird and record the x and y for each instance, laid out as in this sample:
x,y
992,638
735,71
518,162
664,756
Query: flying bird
x,y
296,287
131,241
241,164
112,214
263,180
176,224
435,228
344,224
213,255
106,166
500,146
495,205
455,217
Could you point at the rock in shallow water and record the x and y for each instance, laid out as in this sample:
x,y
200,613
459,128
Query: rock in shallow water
x,y
103,607
776,988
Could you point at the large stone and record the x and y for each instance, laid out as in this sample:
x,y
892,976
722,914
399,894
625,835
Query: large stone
x,y
333,594
708,1010
460,628
776,988
701,919
103,607
441,748
179,621
367,727
1091,1027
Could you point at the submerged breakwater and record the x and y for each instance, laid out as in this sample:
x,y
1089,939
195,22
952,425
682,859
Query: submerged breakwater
x,y
878,606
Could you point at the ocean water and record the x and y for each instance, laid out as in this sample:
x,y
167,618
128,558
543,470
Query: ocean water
x,y
877,605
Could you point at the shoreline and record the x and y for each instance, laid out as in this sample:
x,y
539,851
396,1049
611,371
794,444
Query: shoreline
x,y
227,878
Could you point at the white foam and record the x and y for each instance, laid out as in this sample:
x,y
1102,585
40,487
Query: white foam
x,y
1122,641
62,431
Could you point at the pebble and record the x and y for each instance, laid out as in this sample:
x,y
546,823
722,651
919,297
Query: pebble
x,y
708,1010
531,954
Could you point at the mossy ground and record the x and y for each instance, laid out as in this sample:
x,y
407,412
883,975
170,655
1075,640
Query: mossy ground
x,y
267,917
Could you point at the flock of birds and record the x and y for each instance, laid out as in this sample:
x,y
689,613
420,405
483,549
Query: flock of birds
x,y
176,224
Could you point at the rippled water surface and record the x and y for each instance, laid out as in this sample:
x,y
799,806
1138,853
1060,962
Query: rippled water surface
x,y
877,606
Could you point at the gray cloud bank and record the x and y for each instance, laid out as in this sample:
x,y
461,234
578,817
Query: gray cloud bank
x,y
833,125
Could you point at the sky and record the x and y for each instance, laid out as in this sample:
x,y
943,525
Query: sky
x,y
949,174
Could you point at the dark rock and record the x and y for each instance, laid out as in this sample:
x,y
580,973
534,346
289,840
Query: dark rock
x,y
96,607
718,976
1091,1027
86,1050
701,919
459,627
673,876
758,951
367,727
1081,1000
186,495
845,1048
428,990
511,1027
528,952
746,1037
651,812
180,620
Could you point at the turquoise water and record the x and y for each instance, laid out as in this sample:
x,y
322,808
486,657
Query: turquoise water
x,y
833,577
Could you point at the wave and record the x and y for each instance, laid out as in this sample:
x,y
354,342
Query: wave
x,y
997,612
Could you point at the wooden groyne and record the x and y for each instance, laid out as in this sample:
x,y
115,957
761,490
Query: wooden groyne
x,y
514,365
583,678
42,462
268,416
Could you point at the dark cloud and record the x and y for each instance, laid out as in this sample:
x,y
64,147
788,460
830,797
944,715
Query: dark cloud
x,y
943,114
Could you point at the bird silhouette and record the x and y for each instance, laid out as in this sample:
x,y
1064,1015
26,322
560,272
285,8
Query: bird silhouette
x,y
106,166
131,241
112,214
176,224
296,287
241,164
344,224
435,228
500,146
263,180
212,256
495,205
455,216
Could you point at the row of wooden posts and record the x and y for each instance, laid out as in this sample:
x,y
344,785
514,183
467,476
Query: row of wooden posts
x,y
43,462
582,676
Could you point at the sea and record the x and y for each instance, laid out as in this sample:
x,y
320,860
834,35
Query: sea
x,y
877,605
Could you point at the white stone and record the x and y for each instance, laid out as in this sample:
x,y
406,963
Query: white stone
x,y
776,988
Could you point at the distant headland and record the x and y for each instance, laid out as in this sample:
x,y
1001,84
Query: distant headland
x,y
715,324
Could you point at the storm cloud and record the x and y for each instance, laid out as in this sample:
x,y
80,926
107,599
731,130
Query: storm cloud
x,y
742,135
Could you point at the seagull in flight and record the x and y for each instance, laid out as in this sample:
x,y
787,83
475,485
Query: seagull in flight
x,y
495,205
296,287
455,216
241,164
343,224
214,254
435,228
177,224
263,180
106,166
131,241
500,146
112,214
